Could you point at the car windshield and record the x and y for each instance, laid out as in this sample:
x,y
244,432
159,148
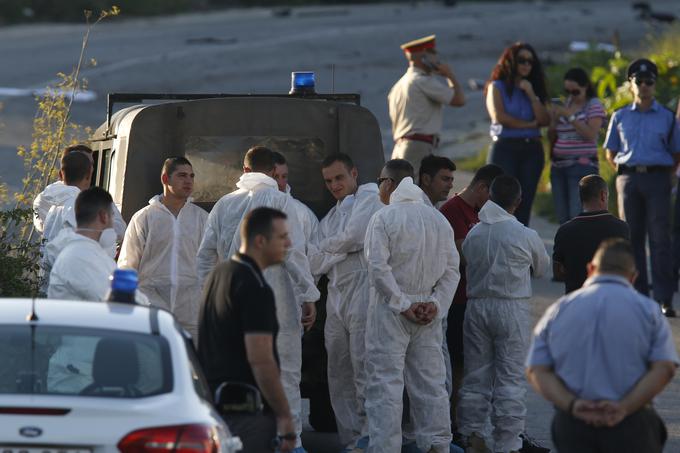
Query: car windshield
x,y
56,360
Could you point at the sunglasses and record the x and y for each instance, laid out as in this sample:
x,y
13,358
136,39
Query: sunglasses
x,y
572,92
522,60
648,82
381,180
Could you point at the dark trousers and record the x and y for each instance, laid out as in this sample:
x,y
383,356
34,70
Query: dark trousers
x,y
643,431
257,432
454,340
676,235
524,160
644,201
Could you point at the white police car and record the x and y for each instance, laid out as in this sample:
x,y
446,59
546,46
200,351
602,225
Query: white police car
x,y
95,377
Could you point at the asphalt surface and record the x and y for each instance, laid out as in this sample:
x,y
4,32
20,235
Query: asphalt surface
x,y
351,48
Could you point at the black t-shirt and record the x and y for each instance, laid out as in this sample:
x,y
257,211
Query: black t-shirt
x,y
236,301
577,241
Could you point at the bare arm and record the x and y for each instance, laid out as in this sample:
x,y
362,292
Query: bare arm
x,y
459,247
651,384
589,129
610,158
494,105
260,355
547,384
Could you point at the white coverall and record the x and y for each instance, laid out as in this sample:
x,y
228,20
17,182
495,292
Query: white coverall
x,y
412,258
81,268
291,281
339,253
162,249
501,254
54,195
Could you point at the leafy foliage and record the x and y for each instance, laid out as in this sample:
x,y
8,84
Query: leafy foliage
x,y
20,249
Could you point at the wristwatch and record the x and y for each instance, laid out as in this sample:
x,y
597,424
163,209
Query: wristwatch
x,y
571,118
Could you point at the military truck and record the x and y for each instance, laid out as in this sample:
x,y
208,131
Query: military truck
x,y
214,131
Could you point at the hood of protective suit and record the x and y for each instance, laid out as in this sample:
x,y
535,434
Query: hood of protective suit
x,y
255,181
56,245
407,191
492,213
56,194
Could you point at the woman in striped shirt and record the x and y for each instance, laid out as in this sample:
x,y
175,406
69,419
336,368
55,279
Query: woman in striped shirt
x,y
573,132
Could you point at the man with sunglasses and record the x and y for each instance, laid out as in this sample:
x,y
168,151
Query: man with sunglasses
x,y
643,144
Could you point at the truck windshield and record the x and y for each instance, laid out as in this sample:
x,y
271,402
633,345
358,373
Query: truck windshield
x,y
58,360
218,161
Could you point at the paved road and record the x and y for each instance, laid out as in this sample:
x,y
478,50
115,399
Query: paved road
x,y
242,51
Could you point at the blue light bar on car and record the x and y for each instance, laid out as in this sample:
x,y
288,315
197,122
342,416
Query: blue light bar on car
x,y
302,82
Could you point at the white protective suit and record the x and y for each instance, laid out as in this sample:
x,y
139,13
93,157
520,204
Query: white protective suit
x,y
412,258
500,254
162,249
54,195
81,268
339,253
308,220
291,281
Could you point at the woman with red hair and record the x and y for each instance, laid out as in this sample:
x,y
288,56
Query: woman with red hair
x,y
516,97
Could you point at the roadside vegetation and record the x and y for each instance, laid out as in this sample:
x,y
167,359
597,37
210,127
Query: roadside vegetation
x,y
53,129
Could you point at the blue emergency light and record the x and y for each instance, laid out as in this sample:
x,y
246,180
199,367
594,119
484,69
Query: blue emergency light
x,y
302,82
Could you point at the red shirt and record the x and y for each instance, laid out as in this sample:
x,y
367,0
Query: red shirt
x,y
462,218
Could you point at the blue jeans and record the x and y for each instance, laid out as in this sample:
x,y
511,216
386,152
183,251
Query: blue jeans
x,y
524,160
564,182
644,201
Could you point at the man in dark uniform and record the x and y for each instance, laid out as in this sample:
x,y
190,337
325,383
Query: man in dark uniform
x,y
577,240
643,144
238,328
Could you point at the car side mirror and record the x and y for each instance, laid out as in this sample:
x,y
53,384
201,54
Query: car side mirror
x,y
238,398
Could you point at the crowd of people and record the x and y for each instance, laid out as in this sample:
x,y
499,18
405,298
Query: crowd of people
x,y
428,320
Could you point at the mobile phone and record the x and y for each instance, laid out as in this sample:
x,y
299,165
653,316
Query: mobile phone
x,y
557,101
430,61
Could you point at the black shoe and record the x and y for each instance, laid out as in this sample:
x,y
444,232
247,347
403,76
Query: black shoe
x,y
530,445
668,310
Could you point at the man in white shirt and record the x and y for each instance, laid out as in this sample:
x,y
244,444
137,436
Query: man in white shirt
x,y
501,255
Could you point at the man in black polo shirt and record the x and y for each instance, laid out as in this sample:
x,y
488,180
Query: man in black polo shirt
x,y
238,328
577,240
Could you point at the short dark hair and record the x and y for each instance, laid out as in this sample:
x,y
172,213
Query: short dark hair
x,y
171,163
486,174
338,157
259,221
430,165
505,190
75,167
88,204
589,187
615,256
259,159
279,159
398,169
76,148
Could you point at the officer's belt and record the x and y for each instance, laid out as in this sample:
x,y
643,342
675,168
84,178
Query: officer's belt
x,y
431,139
628,169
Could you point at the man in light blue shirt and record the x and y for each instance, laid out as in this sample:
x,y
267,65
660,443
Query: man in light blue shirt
x,y
600,354
643,144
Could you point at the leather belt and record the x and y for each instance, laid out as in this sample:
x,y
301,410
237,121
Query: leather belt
x,y
628,169
431,139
